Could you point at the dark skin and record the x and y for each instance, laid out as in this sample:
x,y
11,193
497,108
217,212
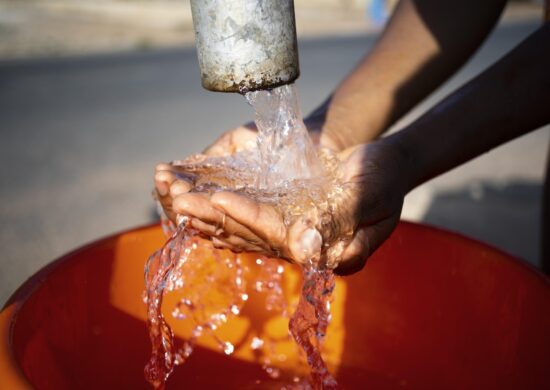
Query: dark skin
x,y
418,51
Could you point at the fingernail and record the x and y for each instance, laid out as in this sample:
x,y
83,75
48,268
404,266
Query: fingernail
x,y
162,188
310,243
178,188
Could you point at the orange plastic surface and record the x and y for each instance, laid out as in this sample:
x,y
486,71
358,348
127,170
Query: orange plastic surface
x,y
430,310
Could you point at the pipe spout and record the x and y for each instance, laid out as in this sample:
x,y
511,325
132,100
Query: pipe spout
x,y
245,45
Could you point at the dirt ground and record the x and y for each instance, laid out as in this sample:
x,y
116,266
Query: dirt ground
x,y
49,28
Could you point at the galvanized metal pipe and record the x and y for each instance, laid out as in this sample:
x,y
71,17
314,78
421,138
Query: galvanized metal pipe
x,y
245,45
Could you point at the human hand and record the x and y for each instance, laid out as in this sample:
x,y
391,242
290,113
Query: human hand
x,y
167,184
369,209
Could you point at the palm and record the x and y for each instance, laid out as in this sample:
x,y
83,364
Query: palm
x,y
370,208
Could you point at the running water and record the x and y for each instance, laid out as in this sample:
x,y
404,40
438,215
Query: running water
x,y
212,287
286,171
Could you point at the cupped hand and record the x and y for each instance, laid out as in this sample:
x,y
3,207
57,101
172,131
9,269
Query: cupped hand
x,y
374,188
167,184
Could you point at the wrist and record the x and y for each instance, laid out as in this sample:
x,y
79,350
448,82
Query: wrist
x,y
333,131
342,125
337,125
315,123
405,159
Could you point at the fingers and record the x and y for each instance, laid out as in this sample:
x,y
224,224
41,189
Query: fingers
x,y
179,187
236,244
163,180
363,244
232,142
244,138
167,187
224,240
212,221
221,147
164,177
198,205
260,219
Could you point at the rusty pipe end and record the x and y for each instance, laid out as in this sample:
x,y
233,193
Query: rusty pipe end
x,y
245,45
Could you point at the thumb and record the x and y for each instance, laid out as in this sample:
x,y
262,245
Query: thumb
x,y
304,242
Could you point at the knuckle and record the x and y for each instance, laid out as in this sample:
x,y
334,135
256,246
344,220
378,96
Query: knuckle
x,y
162,167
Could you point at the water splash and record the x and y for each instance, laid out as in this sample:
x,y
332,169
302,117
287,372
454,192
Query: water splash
x,y
286,171
285,150
211,294
310,321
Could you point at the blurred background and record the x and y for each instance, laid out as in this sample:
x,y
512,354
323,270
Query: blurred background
x,y
93,93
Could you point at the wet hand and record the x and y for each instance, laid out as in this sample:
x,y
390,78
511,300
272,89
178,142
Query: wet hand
x,y
369,208
168,186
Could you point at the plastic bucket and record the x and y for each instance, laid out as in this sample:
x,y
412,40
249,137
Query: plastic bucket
x,y
430,310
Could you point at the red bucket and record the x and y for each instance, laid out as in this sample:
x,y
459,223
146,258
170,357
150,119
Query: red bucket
x,y
430,310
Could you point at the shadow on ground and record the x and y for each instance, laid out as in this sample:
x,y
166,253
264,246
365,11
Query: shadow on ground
x,y
505,215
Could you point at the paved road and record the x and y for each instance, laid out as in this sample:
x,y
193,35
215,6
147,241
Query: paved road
x,y
80,138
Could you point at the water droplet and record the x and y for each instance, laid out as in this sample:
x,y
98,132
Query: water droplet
x,y
188,303
187,350
178,315
285,150
273,372
228,348
178,359
197,331
235,310
256,343
181,219
219,318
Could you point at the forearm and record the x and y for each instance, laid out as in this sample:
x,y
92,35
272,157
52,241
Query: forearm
x,y
424,43
509,99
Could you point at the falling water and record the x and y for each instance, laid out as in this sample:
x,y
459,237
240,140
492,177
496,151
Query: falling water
x,y
284,170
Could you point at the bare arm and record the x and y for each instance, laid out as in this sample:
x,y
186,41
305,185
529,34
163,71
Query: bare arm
x,y
425,42
507,100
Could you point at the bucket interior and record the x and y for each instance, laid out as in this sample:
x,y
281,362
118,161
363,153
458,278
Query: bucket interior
x,y
431,309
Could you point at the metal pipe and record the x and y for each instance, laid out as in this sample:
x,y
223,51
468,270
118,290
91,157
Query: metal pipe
x,y
245,45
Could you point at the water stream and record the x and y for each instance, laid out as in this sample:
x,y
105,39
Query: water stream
x,y
286,171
